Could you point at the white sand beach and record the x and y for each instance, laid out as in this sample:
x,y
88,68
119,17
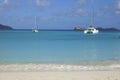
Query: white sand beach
x,y
82,75
58,72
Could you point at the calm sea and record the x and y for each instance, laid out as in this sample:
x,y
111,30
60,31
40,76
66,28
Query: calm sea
x,y
59,48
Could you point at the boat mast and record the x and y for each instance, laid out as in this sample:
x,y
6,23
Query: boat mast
x,y
36,22
92,14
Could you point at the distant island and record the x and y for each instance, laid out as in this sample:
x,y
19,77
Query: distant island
x,y
4,27
99,28
110,29
79,28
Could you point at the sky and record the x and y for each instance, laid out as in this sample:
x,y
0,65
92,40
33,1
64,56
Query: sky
x,y
59,14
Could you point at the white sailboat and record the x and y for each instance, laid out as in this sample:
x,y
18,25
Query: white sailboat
x,y
35,29
92,29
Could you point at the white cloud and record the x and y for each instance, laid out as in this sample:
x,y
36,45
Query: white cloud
x,y
104,11
74,12
118,7
80,12
7,4
100,14
6,1
44,18
106,7
81,1
43,3
117,12
4,4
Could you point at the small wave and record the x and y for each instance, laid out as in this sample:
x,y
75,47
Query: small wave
x,y
56,67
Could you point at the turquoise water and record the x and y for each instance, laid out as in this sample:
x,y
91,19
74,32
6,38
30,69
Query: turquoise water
x,y
61,47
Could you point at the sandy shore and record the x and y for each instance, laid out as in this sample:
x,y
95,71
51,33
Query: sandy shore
x,y
82,75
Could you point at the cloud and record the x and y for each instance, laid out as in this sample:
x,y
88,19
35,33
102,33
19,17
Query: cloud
x,y
6,1
43,3
76,10
80,12
117,11
106,7
4,4
109,9
104,10
73,12
81,1
79,9
7,5
118,4
45,18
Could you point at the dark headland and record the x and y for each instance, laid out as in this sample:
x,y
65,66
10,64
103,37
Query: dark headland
x,y
5,27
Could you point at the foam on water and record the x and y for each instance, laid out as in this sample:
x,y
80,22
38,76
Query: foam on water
x,y
56,67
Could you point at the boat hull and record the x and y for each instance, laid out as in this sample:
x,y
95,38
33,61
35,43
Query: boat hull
x,y
91,31
35,30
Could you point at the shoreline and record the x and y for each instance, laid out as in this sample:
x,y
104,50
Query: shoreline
x,y
57,67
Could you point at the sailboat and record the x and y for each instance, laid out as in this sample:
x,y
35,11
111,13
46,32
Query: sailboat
x,y
35,29
92,29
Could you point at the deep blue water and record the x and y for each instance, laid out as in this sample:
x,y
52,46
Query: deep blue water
x,y
69,47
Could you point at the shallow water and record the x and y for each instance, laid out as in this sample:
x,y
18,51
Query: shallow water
x,y
59,47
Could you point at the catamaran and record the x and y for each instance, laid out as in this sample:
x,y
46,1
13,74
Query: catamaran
x,y
35,29
92,29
